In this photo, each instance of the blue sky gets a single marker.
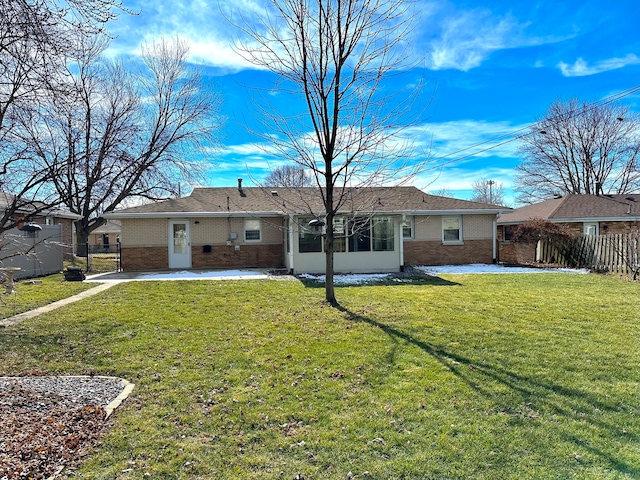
(489, 68)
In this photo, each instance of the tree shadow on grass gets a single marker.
(577, 405)
(393, 279)
(22, 341)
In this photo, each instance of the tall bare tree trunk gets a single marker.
(335, 55)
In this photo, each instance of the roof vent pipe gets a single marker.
(240, 185)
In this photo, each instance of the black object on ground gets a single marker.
(74, 274)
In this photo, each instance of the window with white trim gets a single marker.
(452, 229)
(339, 234)
(309, 238)
(383, 234)
(252, 230)
(591, 228)
(407, 227)
(359, 234)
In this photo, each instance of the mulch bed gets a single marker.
(43, 434)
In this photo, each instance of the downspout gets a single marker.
(290, 253)
(401, 242)
(495, 238)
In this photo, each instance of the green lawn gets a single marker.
(33, 293)
(469, 377)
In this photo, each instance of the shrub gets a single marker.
(537, 229)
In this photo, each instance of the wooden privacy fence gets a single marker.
(616, 253)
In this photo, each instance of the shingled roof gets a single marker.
(574, 207)
(276, 201)
(28, 207)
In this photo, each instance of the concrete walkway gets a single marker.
(108, 280)
(21, 317)
(194, 274)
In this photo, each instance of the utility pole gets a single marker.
(491, 183)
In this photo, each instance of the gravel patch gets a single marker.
(64, 391)
(49, 423)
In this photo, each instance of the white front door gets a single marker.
(179, 244)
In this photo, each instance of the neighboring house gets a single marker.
(104, 238)
(34, 252)
(582, 214)
(377, 230)
(36, 212)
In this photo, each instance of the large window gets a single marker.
(383, 234)
(339, 234)
(359, 234)
(452, 229)
(252, 230)
(309, 238)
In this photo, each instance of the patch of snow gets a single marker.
(492, 268)
(351, 279)
(478, 268)
(346, 279)
(200, 275)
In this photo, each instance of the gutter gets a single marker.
(632, 217)
(245, 213)
(191, 214)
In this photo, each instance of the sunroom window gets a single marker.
(383, 234)
(359, 234)
(339, 234)
(309, 238)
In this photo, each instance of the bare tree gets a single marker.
(293, 176)
(583, 149)
(122, 133)
(488, 191)
(35, 37)
(334, 56)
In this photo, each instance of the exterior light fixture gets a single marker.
(30, 227)
(316, 223)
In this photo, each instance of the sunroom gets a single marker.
(367, 243)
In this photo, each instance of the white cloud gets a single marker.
(461, 180)
(462, 39)
(201, 23)
(455, 153)
(468, 38)
(466, 140)
(581, 68)
(245, 149)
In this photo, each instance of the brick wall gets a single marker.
(577, 228)
(248, 256)
(508, 253)
(435, 253)
(144, 258)
(520, 253)
(619, 227)
(157, 258)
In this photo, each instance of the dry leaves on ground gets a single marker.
(39, 435)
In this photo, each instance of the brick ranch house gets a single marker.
(582, 214)
(377, 230)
